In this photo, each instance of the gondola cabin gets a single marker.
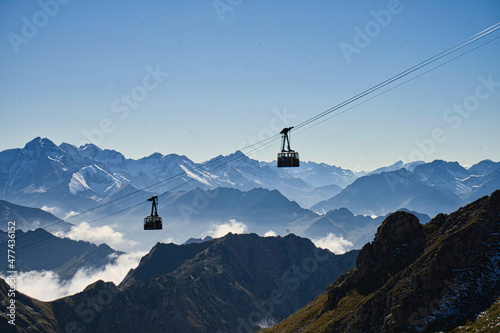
(153, 221)
(287, 157)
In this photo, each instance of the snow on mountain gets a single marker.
(380, 194)
(78, 178)
(434, 187)
(319, 174)
(396, 166)
(94, 179)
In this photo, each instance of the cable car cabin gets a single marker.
(153, 221)
(287, 157)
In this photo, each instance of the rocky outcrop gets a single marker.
(234, 283)
(415, 278)
(398, 242)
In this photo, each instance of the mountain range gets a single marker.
(27, 218)
(39, 250)
(430, 188)
(65, 179)
(103, 185)
(443, 276)
(234, 283)
(258, 210)
(439, 276)
(71, 179)
(357, 229)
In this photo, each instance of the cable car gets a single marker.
(287, 157)
(153, 221)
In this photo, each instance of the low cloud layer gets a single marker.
(47, 286)
(332, 242)
(270, 233)
(220, 230)
(98, 235)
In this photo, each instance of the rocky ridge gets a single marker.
(415, 278)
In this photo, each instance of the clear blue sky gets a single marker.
(231, 70)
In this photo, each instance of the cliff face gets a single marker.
(415, 278)
(235, 283)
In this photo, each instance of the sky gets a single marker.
(209, 77)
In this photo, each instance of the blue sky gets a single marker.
(203, 78)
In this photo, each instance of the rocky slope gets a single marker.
(416, 278)
(234, 283)
(430, 188)
(27, 218)
(39, 250)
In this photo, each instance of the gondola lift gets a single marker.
(287, 157)
(153, 221)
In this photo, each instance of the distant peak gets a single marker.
(89, 147)
(39, 143)
(157, 155)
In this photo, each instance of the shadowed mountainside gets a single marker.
(416, 278)
(237, 282)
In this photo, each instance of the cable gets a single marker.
(265, 142)
(396, 86)
(141, 203)
(404, 73)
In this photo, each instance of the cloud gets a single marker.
(270, 233)
(97, 235)
(47, 285)
(51, 210)
(337, 245)
(223, 229)
(70, 215)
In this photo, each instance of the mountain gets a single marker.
(398, 165)
(43, 174)
(380, 194)
(453, 179)
(358, 229)
(434, 187)
(241, 172)
(197, 240)
(445, 176)
(422, 218)
(320, 174)
(435, 277)
(40, 250)
(259, 207)
(484, 167)
(194, 213)
(70, 178)
(27, 218)
(230, 284)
